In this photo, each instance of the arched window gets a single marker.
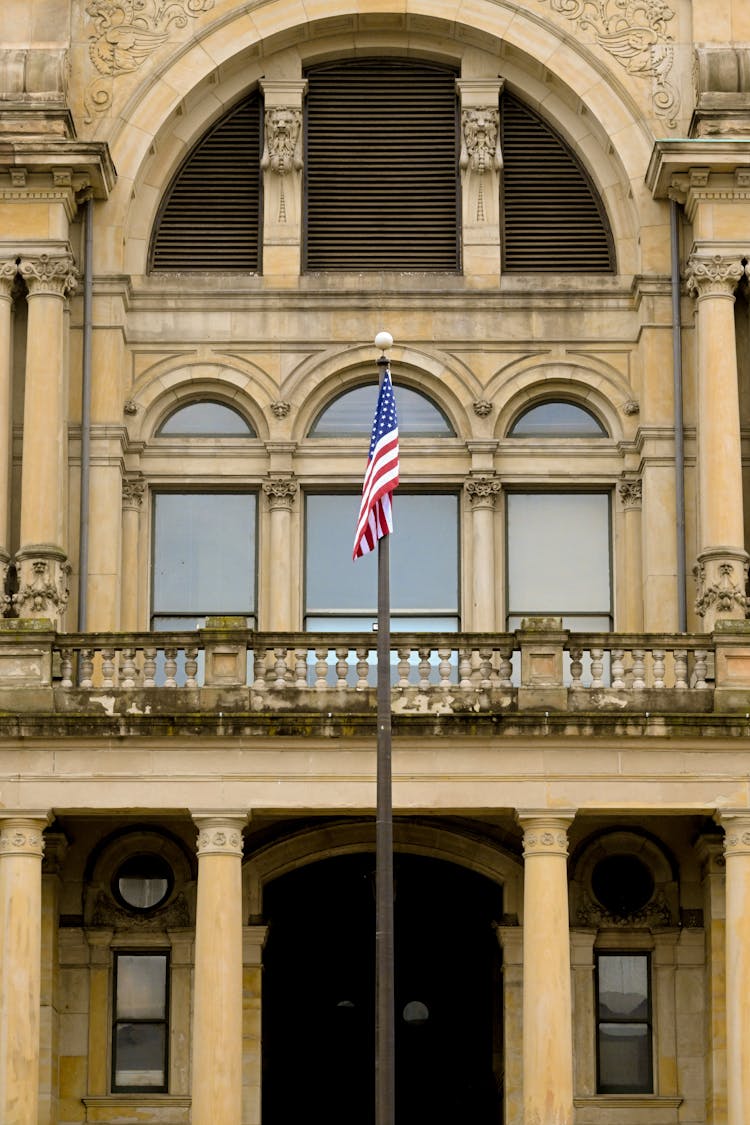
(351, 414)
(205, 419)
(557, 419)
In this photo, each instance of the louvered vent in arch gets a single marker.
(381, 166)
(552, 215)
(209, 219)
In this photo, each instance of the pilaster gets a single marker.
(511, 943)
(8, 273)
(736, 825)
(133, 492)
(281, 492)
(482, 490)
(253, 942)
(480, 163)
(710, 852)
(631, 498)
(282, 164)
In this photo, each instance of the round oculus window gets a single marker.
(143, 882)
(623, 884)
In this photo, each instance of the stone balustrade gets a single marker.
(544, 669)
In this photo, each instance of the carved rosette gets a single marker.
(22, 836)
(133, 491)
(545, 836)
(43, 575)
(721, 579)
(281, 492)
(483, 490)
(715, 276)
(631, 494)
(49, 274)
(737, 835)
(282, 149)
(219, 835)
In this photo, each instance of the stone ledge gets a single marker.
(135, 1109)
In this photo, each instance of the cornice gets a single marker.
(692, 164)
(36, 165)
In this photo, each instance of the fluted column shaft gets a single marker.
(21, 849)
(547, 1020)
(737, 854)
(482, 490)
(722, 560)
(217, 1001)
(281, 493)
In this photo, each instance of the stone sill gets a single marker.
(135, 1109)
(616, 1109)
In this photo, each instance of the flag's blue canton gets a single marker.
(375, 515)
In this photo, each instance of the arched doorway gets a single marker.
(318, 994)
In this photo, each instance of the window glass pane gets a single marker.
(623, 987)
(424, 561)
(558, 555)
(351, 414)
(210, 419)
(140, 1054)
(141, 986)
(624, 1058)
(557, 419)
(204, 553)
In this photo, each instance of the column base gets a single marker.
(43, 573)
(721, 578)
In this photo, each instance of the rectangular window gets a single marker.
(623, 1024)
(204, 557)
(139, 1034)
(341, 594)
(559, 564)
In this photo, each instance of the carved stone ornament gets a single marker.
(282, 150)
(483, 490)
(42, 587)
(635, 34)
(50, 274)
(480, 130)
(631, 493)
(124, 36)
(108, 914)
(482, 407)
(725, 595)
(714, 276)
(133, 491)
(281, 491)
(219, 840)
(545, 837)
(280, 409)
(8, 274)
(20, 837)
(655, 913)
(631, 407)
(130, 407)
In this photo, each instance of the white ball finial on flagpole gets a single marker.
(384, 341)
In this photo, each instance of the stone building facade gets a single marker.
(207, 210)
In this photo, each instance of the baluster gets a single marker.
(505, 671)
(464, 669)
(618, 669)
(363, 668)
(404, 652)
(485, 668)
(191, 666)
(576, 669)
(680, 669)
(127, 670)
(108, 667)
(259, 670)
(342, 667)
(444, 668)
(424, 668)
(701, 668)
(149, 667)
(279, 668)
(66, 668)
(321, 668)
(597, 668)
(170, 666)
(659, 658)
(300, 668)
(86, 667)
(639, 669)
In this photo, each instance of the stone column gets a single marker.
(737, 854)
(722, 563)
(217, 1002)
(254, 939)
(133, 490)
(41, 561)
(481, 163)
(631, 492)
(281, 165)
(482, 490)
(21, 850)
(281, 492)
(8, 271)
(547, 1019)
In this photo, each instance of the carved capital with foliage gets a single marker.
(50, 274)
(482, 490)
(281, 491)
(715, 276)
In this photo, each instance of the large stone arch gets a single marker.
(347, 837)
(167, 107)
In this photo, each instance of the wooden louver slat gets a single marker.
(210, 216)
(553, 219)
(381, 167)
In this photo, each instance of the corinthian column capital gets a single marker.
(713, 276)
(8, 272)
(281, 491)
(483, 490)
(50, 274)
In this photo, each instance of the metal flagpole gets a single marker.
(385, 1096)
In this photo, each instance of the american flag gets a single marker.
(381, 477)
